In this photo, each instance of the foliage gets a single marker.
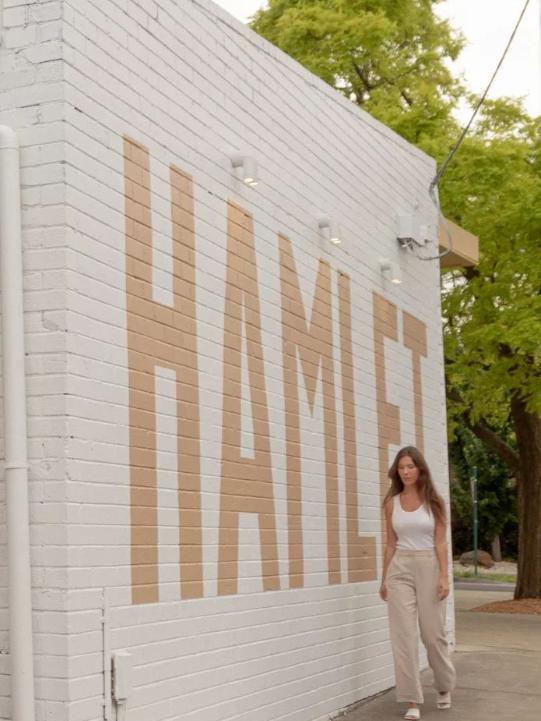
(493, 311)
(496, 492)
(388, 56)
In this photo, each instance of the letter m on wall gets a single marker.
(164, 336)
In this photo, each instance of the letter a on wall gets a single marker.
(246, 482)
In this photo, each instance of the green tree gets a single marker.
(388, 56)
(493, 311)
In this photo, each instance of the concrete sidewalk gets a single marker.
(498, 664)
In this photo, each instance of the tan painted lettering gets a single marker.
(246, 482)
(361, 549)
(315, 348)
(385, 326)
(164, 336)
(415, 340)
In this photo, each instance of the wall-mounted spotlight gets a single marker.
(329, 230)
(390, 270)
(246, 169)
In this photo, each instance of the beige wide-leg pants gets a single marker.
(412, 602)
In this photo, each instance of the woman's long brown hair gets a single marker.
(429, 495)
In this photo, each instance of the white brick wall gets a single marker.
(193, 85)
(31, 101)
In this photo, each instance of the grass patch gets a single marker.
(495, 577)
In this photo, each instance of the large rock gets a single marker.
(483, 559)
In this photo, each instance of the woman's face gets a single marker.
(408, 471)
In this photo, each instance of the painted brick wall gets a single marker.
(31, 101)
(113, 101)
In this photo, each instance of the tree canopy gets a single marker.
(493, 311)
(388, 56)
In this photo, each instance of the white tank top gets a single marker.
(415, 529)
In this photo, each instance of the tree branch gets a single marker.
(406, 97)
(372, 85)
(367, 85)
(489, 437)
(471, 272)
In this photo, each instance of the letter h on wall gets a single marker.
(161, 335)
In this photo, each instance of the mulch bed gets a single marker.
(522, 605)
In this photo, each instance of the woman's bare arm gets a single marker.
(440, 541)
(392, 538)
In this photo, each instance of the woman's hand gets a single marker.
(383, 591)
(443, 587)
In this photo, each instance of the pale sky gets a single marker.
(487, 25)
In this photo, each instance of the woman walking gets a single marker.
(415, 582)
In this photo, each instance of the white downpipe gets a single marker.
(16, 474)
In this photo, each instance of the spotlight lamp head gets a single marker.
(329, 230)
(390, 271)
(246, 169)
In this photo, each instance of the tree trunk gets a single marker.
(528, 433)
(496, 549)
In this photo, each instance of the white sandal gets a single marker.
(413, 714)
(444, 700)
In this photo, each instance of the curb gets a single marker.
(478, 584)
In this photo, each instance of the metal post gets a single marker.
(539, 83)
(475, 517)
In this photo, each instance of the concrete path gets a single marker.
(498, 663)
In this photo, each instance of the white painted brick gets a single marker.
(30, 91)
(16, 37)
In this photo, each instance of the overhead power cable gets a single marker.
(435, 181)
